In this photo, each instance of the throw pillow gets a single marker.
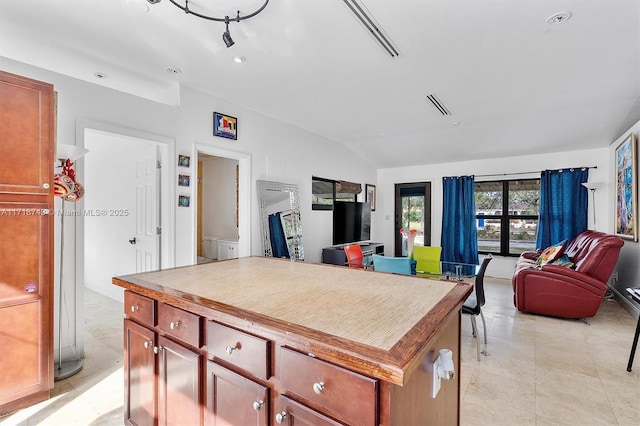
(565, 261)
(551, 253)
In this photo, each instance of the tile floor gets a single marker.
(539, 371)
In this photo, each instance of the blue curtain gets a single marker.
(279, 246)
(563, 205)
(459, 238)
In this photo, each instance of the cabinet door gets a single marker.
(139, 368)
(292, 413)
(234, 400)
(26, 132)
(178, 384)
(26, 340)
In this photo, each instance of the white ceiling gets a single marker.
(514, 84)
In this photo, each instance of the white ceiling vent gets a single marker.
(439, 105)
(364, 16)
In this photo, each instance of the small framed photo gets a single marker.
(370, 195)
(184, 200)
(225, 126)
(184, 160)
(184, 180)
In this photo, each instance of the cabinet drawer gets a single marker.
(139, 308)
(290, 412)
(343, 394)
(243, 350)
(180, 324)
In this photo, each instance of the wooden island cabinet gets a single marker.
(263, 341)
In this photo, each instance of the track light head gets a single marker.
(226, 37)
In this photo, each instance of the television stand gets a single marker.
(335, 255)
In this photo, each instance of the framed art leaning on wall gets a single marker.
(626, 196)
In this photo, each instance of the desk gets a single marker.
(448, 270)
(635, 295)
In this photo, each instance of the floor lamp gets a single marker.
(68, 189)
(592, 186)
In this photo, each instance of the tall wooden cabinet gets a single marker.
(26, 241)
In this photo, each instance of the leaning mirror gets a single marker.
(280, 220)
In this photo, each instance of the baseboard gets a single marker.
(626, 302)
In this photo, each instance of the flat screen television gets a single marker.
(351, 222)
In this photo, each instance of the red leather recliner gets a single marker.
(564, 292)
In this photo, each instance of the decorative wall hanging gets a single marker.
(184, 200)
(225, 126)
(184, 180)
(370, 195)
(184, 161)
(626, 198)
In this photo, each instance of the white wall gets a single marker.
(498, 167)
(219, 198)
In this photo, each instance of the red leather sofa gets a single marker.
(564, 292)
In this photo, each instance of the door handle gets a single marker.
(132, 241)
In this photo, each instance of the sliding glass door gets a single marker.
(412, 211)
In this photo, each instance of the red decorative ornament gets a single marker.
(65, 184)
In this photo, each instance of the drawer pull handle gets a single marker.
(157, 349)
(148, 344)
(280, 417)
(135, 308)
(318, 387)
(46, 186)
(174, 325)
(230, 349)
(257, 405)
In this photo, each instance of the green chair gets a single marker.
(428, 261)
(397, 265)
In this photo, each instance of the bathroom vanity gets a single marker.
(269, 341)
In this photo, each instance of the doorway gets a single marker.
(235, 172)
(217, 207)
(412, 211)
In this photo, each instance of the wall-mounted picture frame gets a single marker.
(370, 195)
(184, 200)
(626, 198)
(184, 160)
(225, 126)
(184, 180)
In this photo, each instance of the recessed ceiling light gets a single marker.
(239, 59)
(100, 75)
(455, 123)
(174, 70)
(558, 18)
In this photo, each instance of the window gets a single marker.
(510, 205)
(325, 191)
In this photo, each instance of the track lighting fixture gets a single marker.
(226, 36)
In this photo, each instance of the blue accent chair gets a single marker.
(397, 265)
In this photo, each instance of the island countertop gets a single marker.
(374, 322)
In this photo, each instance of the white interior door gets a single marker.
(147, 235)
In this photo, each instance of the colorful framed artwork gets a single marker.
(184, 160)
(626, 198)
(370, 195)
(184, 180)
(225, 126)
(184, 200)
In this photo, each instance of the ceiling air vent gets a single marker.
(365, 17)
(439, 106)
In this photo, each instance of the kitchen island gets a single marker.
(269, 341)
